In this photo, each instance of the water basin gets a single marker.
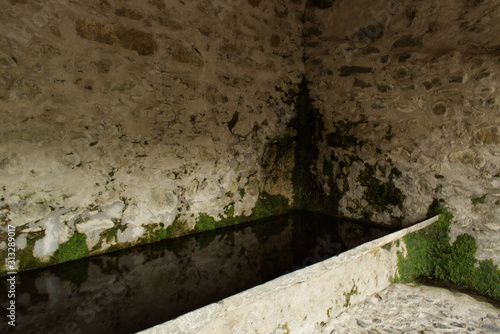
(133, 289)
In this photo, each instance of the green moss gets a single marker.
(111, 234)
(229, 210)
(266, 206)
(328, 312)
(150, 233)
(388, 246)
(378, 194)
(430, 254)
(479, 200)
(75, 248)
(348, 295)
(300, 197)
(204, 222)
(165, 233)
(269, 205)
(487, 279)
(242, 192)
(25, 256)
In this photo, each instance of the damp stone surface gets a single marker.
(129, 122)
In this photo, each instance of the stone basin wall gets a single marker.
(406, 98)
(125, 122)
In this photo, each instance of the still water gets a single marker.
(137, 288)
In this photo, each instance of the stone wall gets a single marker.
(406, 96)
(127, 122)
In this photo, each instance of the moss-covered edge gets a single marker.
(431, 254)
(75, 248)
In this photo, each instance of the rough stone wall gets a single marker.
(408, 96)
(125, 122)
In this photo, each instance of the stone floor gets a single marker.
(418, 309)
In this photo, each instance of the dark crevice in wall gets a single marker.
(308, 123)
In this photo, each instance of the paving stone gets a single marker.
(492, 328)
(407, 308)
(362, 323)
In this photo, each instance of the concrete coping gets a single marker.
(199, 321)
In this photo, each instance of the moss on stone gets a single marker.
(266, 206)
(388, 246)
(430, 254)
(164, 233)
(479, 200)
(75, 248)
(25, 255)
(269, 205)
(378, 194)
(348, 295)
(204, 222)
(229, 210)
(111, 233)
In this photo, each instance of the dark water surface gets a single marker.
(137, 288)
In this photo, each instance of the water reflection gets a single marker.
(130, 290)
